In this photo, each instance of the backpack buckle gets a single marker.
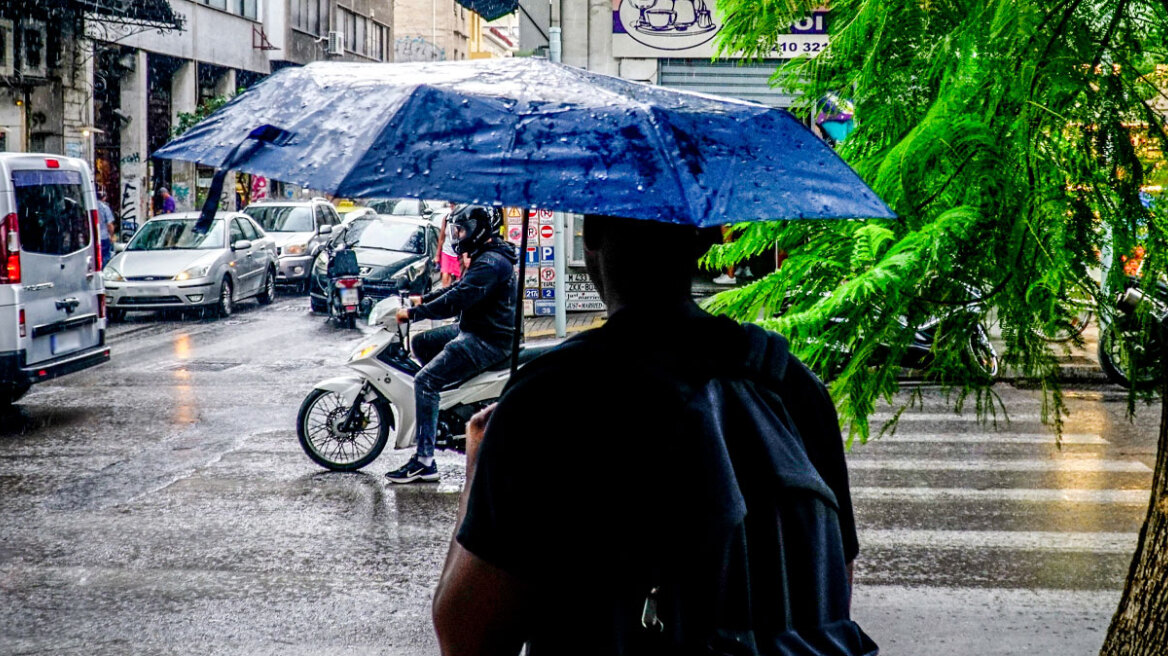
(649, 618)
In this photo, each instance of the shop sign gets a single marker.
(528, 308)
(687, 29)
(579, 286)
(582, 296)
(577, 277)
(584, 306)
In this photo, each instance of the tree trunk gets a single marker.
(1140, 625)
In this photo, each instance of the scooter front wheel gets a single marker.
(326, 439)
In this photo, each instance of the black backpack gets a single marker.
(775, 579)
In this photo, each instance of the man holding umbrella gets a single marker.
(484, 300)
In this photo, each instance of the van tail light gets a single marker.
(53, 163)
(9, 250)
(23, 326)
(96, 240)
(101, 306)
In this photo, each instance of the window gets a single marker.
(249, 230)
(246, 8)
(311, 16)
(236, 232)
(322, 218)
(50, 210)
(360, 46)
(218, 4)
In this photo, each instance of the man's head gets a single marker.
(164, 192)
(101, 195)
(634, 261)
(474, 226)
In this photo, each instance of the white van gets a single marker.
(52, 305)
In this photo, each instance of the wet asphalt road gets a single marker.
(161, 504)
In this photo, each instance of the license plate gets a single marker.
(349, 296)
(67, 341)
(147, 291)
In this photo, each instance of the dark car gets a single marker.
(389, 249)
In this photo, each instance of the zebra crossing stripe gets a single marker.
(1060, 465)
(1044, 495)
(1124, 543)
(989, 438)
(1001, 419)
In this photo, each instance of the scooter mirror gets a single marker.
(403, 285)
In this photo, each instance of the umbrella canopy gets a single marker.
(530, 133)
(490, 9)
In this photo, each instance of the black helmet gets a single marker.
(478, 224)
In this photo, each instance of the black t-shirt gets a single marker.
(584, 481)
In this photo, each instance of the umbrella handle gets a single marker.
(519, 295)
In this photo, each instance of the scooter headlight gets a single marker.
(363, 353)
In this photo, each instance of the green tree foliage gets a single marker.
(188, 120)
(1012, 137)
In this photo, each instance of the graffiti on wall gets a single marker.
(416, 49)
(182, 194)
(259, 187)
(129, 207)
(133, 158)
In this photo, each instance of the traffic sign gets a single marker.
(547, 255)
(532, 258)
(550, 292)
(547, 232)
(546, 275)
(532, 232)
(528, 307)
(531, 277)
(545, 216)
(514, 213)
(514, 234)
(531, 293)
(545, 308)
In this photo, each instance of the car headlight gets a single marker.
(295, 249)
(194, 272)
(110, 274)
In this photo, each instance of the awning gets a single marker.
(490, 9)
(144, 13)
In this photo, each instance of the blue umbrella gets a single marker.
(490, 9)
(529, 133)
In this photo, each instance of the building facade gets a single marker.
(431, 30)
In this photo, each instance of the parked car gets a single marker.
(52, 305)
(167, 265)
(299, 229)
(389, 249)
(430, 210)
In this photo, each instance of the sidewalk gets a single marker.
(536, 328)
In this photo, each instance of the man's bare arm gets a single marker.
(477, 606)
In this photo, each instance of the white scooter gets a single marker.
(344, 423)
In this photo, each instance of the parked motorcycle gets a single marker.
(344, 423)
(344, 287)
(1129, 353)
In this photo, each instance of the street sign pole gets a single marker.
(561, 291)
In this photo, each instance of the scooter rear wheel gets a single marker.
(319, 427)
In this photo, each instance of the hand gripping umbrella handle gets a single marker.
(264, 134)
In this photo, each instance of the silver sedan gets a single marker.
(167, 265)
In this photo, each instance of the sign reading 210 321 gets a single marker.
(686, 28)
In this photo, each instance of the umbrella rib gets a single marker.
(668, 148)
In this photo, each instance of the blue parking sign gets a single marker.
(547, 254)
(532, 256)
(549, 292)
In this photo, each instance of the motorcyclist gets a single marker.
(484, 301)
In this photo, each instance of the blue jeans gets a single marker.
(450, 356)
(107, 247)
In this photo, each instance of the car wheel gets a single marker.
(268, 293)
(11, 393)
(226, 301)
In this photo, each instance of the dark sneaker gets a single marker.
(413, 471)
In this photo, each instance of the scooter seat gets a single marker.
(527, 353)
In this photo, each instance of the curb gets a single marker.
(546, 334)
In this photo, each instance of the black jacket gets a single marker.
(484, 296)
